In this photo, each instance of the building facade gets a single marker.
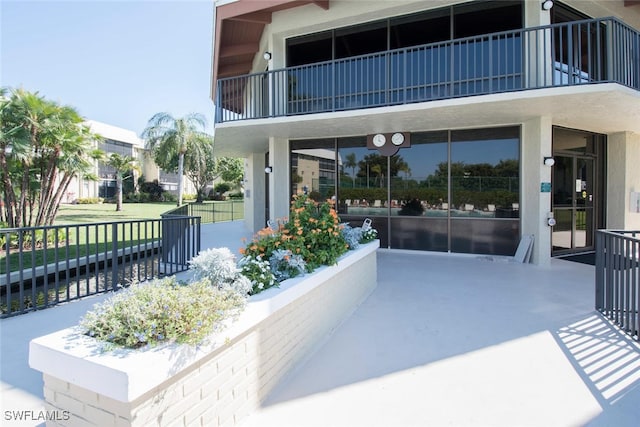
(126, 143)
(456, 126)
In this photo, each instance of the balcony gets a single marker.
(570, 54)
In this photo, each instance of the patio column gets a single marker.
(623, 179)
(536, 204)
(279, 188)
(254, 196)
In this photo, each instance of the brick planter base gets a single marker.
(219, 383)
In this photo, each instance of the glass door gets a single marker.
(573, 203)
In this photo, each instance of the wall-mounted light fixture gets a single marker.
(268, 169)
(267, 56)
(547, 5)
(549, 161)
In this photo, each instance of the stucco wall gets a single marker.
(623, 177)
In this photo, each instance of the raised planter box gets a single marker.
(218, 383)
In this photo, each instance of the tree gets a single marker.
(43, 146)
(350, 163)
(200, 164)
(122, 165)
(202, 167)
(169, 139)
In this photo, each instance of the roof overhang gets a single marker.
(238, 28)
(603, 108)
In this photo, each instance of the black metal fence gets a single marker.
(210, 212)
(44, 266)
(567, 54)
(618, 278)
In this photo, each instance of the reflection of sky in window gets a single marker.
(423, 159)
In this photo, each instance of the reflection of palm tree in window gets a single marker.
(350, 163)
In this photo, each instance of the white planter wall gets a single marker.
(219, 383)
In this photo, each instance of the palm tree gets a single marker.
(168, 139)
(122, 165)
(350, 162)
(43, 145)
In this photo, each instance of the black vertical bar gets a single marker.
(21, 269)
(599, 270)
(45, 265)
(56, 244)
(107, 262)
(67, 269)
(114, 256)
(33, 269)
(7, 272)
(96, 253)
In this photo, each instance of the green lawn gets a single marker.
(77, 214)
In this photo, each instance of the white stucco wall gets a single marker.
(623, 177)
(536, 205)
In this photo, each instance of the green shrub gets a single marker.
(89, 200)
(236, 196)
(221, 188)
(189, 197)
(160, 311)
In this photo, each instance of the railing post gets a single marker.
(600, 251)
(114, 256)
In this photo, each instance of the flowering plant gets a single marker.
(369, 235)
(312, 236)
(258, 271)
(286, 265)
(162, 310)
(218, 266)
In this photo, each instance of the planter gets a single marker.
(218, 383)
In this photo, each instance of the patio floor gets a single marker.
(445, 340)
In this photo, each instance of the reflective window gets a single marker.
(453, 191)
(313, 168)
(485, 173)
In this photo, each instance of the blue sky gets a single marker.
(117, 62)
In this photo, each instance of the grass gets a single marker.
(74, 243)
(80, 214)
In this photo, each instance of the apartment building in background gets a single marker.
(456, 126)
(126, 143)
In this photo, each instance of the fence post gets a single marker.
(600, 250)
(114, 256)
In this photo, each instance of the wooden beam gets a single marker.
(233, 70)
(628, 3)
(324, 4)
(262, 17)
(239, 49)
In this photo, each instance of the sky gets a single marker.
(117, 62)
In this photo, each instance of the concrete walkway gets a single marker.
(445, 340)
(464, 341)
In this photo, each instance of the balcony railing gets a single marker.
(575, 53)
(618, 278)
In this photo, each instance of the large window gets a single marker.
(431, 55)
(453, 191)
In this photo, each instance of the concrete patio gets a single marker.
(445, 340)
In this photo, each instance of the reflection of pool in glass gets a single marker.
(432, 213)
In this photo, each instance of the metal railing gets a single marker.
(44, 266)
(210, 212)
(618, 278)
(567, 54)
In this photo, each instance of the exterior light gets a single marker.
(267, 56)
(268, 169)
(547, 4)
(549, 161)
